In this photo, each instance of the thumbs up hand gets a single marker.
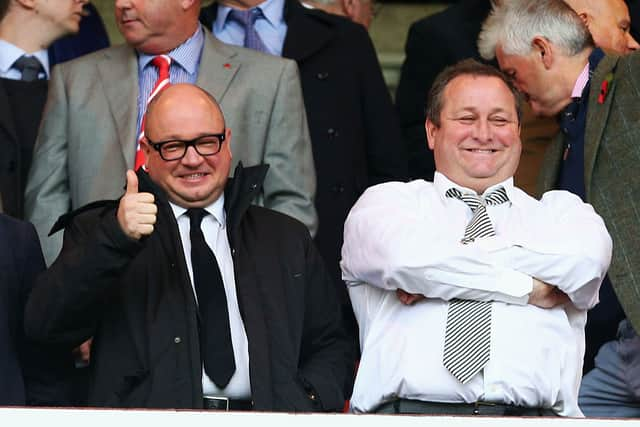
(136, 211)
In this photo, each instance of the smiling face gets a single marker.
(184, 112)
(477, 143)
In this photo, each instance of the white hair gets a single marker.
(515, 23)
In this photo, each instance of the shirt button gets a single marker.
(177, 340)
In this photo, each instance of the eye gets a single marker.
(466, 119)
(172, 147)
(499, 121)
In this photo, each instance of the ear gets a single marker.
(27, 4)
(350, 7)
(544, 50)
(432, 130)
(586, 18)
(145, 147)
(227, 141)
(187, 4)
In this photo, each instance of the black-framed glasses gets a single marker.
(175, 149)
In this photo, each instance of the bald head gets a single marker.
(180, 99)
(608, 22)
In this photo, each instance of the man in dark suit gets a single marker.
(354, 130)
(26, 30)
(595, 156)
(31, 375)
(195, 298)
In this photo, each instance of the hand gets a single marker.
(82, 353)
(136, 211)
(544, 295)
(408, 299)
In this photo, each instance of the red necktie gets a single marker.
(162, 63)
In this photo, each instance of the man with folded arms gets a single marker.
(471, 296)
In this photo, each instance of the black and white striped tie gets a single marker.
(467, 342)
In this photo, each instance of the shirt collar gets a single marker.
(581, 82)
(585, 75)
(216, 209)
(442, 184)
(9, 53)
(273, 11)
(183, 54)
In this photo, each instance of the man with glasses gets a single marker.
(194, 297)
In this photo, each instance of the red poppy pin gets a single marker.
(227, 65)
(604, 88)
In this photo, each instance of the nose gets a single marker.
(482, 130)
(632, 44)
(191, 157)
(122, 4)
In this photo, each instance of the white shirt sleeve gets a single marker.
(563, 243)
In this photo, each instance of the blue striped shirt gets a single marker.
(185, 62)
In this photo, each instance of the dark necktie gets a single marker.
(467, 342)
(29, 66)
(215, 334)
(247, 19)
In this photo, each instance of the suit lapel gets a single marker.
(218, 65)
(6, 116)
(597, 116)
(118, 71)
(305, 35)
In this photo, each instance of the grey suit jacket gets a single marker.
(87, 138)
(612, 182)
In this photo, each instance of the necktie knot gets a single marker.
(29, 67)
(195, 217)
(246, 17)
(162, 63)
(474, 201)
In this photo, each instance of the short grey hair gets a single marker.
(515, 23)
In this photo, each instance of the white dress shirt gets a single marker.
(408, 236)
(10, 53)
(214, 228)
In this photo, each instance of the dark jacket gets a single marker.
(136, 300)
(29, 374)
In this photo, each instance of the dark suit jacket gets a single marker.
(612, 182)
(28, 374)
(354, 129)
(433, 43)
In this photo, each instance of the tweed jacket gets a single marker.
(612, 183)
